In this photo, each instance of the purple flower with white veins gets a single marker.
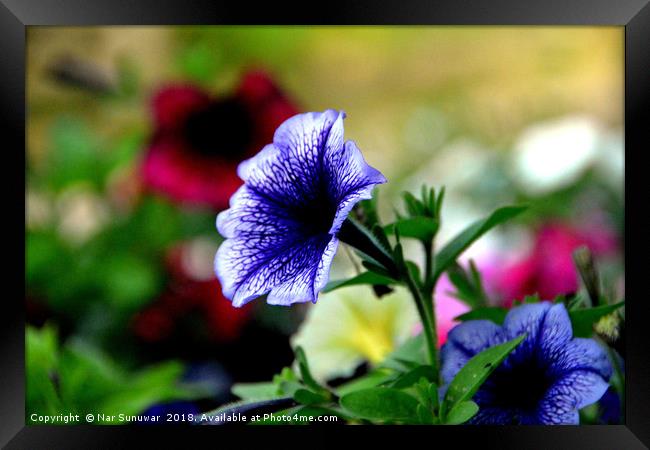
(282, 226)
(545, 380)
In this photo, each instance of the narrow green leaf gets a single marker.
(465, 288)
(494, 313)
(418, 227)
(307, 378)
(255, 391)
(307, 397)
(583, 320)
(381, 403)
(375, 378)
(434, 395)
(413, 205)
(425, 416)
(413, 376)
(474, 373)
(398, 255)
(440, 198)
(414, 271)
(379, 232)
(450, 252)
(461, 413)
(363, 278)
(376, 268)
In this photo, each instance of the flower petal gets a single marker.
(453, 359)
(527, 318)
(271, 264)
(556, 331)
(466, 340)
(305, 135)
(582, 354)
(570, 393)
(351, 178)
(475, 336)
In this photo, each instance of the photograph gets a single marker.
(325, 225)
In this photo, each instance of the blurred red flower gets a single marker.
(199, 140)
(187, 295)
(548, 269)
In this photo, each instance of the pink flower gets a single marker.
(447, 308)
(199, 140)
(549, 270)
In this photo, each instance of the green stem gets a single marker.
(427, 317)
(428, 264)
(428, 297)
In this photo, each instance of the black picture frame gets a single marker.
(633, 15)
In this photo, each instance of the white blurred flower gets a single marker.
(553, 154)
(611, 159)
(350, 326)
(197, 258)
(38, 209)
(82, 213)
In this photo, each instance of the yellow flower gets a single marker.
(350, 326)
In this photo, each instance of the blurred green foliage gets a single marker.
(78, 378)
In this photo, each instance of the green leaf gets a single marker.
(307, 397)
(307, 377)
(41, 361)
(461, 413)
(414, 271)
(379, 232)
(425, 416)
(474, 373)
(438, 202)
(363, 278)
(419, 227)
(255, 391)
(376, 268)
(381, 403)
(413, 206)
(413, 350)
(583, 320)
(450, 252)
(375, 378)
(414, 376)
(494, 313)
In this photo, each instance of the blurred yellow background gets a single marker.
(488, 82)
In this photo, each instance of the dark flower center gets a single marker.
(224, 128)
(521, 387)
(317, 215)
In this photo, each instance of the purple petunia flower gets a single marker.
(282, 225)
(545, 380)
